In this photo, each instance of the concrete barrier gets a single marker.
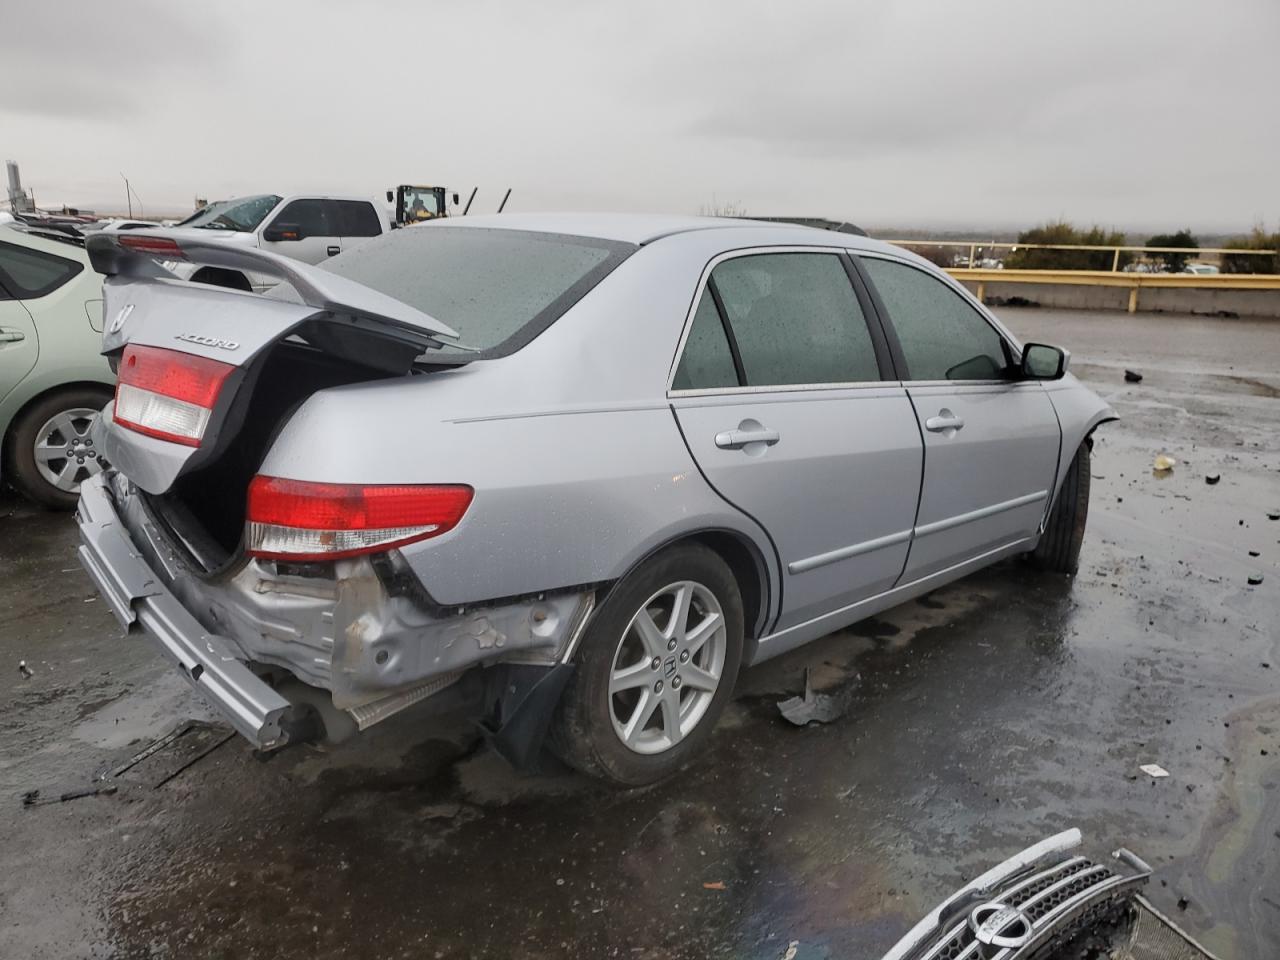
(1244, 303)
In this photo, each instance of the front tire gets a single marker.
(654, 671)
(50, 451)
(1059, 548)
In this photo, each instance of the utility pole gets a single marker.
(128, 195)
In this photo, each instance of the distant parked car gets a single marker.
(53, 378)
(577, 468)
(120, 224)
(308, 228)
(1205, 269)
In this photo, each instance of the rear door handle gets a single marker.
(11, 336)
(333, 251)
(737, 439)
(945, 421)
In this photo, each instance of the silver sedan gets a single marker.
(573, 471)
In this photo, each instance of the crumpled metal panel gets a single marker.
(346, 634)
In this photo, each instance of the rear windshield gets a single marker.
(497, 288)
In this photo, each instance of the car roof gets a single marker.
(286, 197)
(68, 247)
(643, 228)
(324, 196)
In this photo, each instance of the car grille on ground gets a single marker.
(1053, 902)
(1045, 905)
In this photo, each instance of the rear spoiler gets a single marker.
(135, 256)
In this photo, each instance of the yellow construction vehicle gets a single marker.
(417, 204)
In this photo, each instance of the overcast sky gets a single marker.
(931, 114)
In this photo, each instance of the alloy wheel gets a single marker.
(64, 452)
(667, 667)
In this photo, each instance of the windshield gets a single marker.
(498, 288)
(243, 214)
(420, 203)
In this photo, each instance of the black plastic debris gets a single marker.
(35, 798)
(1212, 478)
(172, 754)
(814, 707)
(153, 766)
(1132, 376)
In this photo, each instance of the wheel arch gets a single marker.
(7, 430)
(1080, 412)
(749, 568)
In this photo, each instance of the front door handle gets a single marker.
(333, 251)
(11, 336)
(945, 422)
(737, 439)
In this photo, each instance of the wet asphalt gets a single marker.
(986, 716)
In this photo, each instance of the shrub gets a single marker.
(1259, 239)
(1173, 262)
(1066, 234)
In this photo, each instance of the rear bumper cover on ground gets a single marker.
(141, 601)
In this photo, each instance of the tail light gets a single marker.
(153, 245)
(168, 394)
(297, 520)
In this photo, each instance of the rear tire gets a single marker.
(1059, 547)
(56, 424)
(642, 702)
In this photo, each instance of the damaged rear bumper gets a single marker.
(270, 648)
(141, 602)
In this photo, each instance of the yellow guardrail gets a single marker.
(1115, 277)
(1105, 278)
(975, 247)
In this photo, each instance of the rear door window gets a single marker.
(942, 336)
(356, 218)
(795, 320)
(27, 274)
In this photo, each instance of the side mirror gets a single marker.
(456, 198)
(391, 196)
(1040, 361)
(278, 232)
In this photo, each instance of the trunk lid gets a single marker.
(145, 306)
